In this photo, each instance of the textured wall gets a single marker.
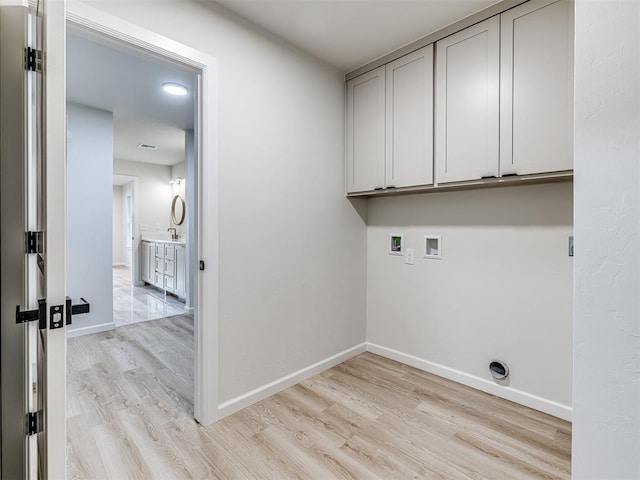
(606, 428)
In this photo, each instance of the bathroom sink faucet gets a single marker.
(174, 235)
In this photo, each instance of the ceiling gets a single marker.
(350, 33)
(129, 132)
(130, 86)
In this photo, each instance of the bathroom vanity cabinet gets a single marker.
(163, 265)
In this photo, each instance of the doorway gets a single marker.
(123, 231)
(202, 205)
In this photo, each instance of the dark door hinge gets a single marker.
(34, 242)
(33, 59)
(202, 265)
(33, 423)
(40, 314)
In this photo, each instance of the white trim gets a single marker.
(121, 264)
(93, 23)
(53, 34)
(517, 396)
(78, 332)
(260, 393)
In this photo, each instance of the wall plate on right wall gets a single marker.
(433, 247)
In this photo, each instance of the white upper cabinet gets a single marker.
(467, 103)
(409, 120)
(365, 131)
(536, 101)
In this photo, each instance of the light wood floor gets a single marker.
(130, 416)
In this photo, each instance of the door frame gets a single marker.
(136, 279)
(92, 22)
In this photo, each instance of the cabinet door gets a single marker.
(144, 262)
(365, 131)
(181, 273)
(169, 268)
(169, 252)
(409, 120)
(152, 262)
(467, 103)
(159, 250)
(536, 99)
(158, 279)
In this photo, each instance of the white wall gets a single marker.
(503, 289)
(154, 194)
(90, 216)
(606, 425)
(180, 170)
(292, 256)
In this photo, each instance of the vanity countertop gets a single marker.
(163, 240)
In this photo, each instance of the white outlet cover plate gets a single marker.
(409, 256)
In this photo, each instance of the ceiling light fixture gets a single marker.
(175, 89)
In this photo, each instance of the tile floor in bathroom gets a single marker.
(138, 304)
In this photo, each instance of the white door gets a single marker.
(33, 284)
(409, 120)
(536, 82)
(365, 131)
(467, 103)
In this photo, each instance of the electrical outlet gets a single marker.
(143, 227)
(409, 256)
(158, 227)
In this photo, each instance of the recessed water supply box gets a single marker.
(433, 247)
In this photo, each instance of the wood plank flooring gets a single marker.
(130, 407)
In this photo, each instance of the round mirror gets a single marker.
(177, 210)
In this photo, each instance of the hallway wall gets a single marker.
(90, 216)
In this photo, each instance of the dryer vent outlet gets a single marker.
(499, 370)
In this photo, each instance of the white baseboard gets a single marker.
(260, 393)
(517, 396)
(78, 332)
